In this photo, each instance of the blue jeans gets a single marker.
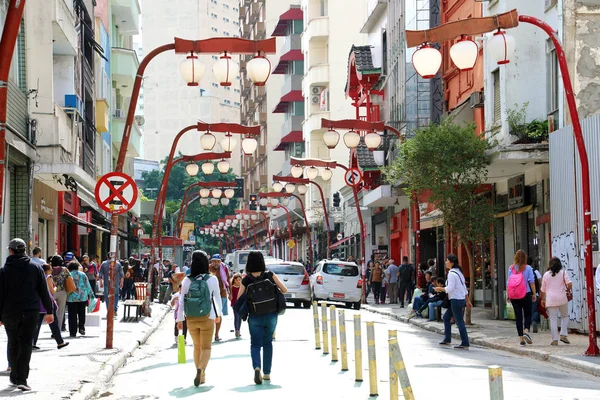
(116, 297)
(262, 328)
(456, 310)
(432, 306)
(224, 305)
(417, 304)
(237, 321)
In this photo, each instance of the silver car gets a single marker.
(295, 278)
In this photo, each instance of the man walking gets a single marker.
(392, 271)
(220, 270)
(23, 286)
(105, 278)
(407, 277)
(37, 254)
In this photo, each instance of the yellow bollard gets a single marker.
(357, 349)
(333, 322)
(401, 370)
(372, 359)
(393, 334)
(343, 345)
(316, 322)
(496, 390)
(324, 328)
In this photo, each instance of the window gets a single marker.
(226, 33)
(215, 57)
(215, 84)
(227, 101)
(225, 19)
(236, 90)
(497, 106)
(213, 1)
(225, 6)
(235, 9)
(236, 36)
(213, 29)
(236, 23)
(552, 82)
(213, 16)
(227, 88)
(237, 104)
(340, 269)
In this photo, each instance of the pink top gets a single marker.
(555, 288)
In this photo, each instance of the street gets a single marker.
(434, 372)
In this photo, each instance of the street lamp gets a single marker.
(277, 187)
(372, 140)
(501, 47)
(204, 201)
(214, 202)
(427, 61)
(326, 174)
(223, 166)
(331, 138)
(225, 201)
(228, 143)
(351, 139)
(192, 70)
(217, 193)
(207, 141)
(274, 202)
(464, 53)
(259, 70)
(312, 172)
(302, 189)
(226, 70)
(208, 168)
(229, 193)
(204, 192)
(264, 201)
(249, 145)
(297, 171)
(290, 187)
(192, 169)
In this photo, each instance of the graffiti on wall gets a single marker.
(564, 247)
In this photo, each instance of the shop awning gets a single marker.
(339, 242)
(293, 14)
(294, 95)
(519, 210)
(284, 61)
(72, 219)
(292, 137)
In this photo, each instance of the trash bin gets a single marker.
(163, 291)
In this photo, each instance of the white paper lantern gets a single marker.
(331, 138)
(464, 54)
(372, 140)
(223, 166)
(427, 61)
(277, 187)
(351, 139)
(192, 169)
(501, 47)
(274, 201)
(229, 193)
(326, 174)
(297, 171)
(192, 70)
(254, 217)
(217, 193)
(204, 202)
(259, 70)
(302, 189)
(214, 202)
(275, 212)
(249, 145)
(208, 168)
(312, 172)
(207, 141)
(263, 201)
(290, 187)
(226, 70)
(228, 143)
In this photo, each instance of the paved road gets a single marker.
(153, 372)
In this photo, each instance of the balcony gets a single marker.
(318, 75)
(375, 10)
(291, 83)
(293, 123)
(313, 122)
(261, 151)
(264, 180)
(124, 65)
(88, 75)
(293, 42)
(126, 14)
(64, 37)
(102, 115)
(317, 29)
(255, 8)
(135, 139)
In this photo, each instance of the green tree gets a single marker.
(178, 182)
(450, 161)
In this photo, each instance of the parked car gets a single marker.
(240, 257)
(295, 278)
(339, 281)
(229, 260)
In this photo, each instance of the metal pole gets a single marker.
(326, 218)
(343, 344)
(110, 319)
(316, 323)
(324, 327)
(372, 359)
(332, 320)
(585, 178)
(357, 349)
(363, 235)
(393, 334)
(310, 252)
(400, 369)
(495, 377)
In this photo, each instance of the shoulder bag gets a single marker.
(70, 284)
(568, 291)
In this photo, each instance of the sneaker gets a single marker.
(267, 377)
(527, 338)
(564, 339)
(82, 332)
(554, 343)
(11, 383)
(257, 376)
(522, 343)
(411, 315)
(63, 344)
(442, 343)
(461, 347)
(35, 347)
(24, 387)
(419, 315)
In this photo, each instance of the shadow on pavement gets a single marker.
(255, 388)
(189, 391)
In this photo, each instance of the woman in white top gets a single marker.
(201, 329)
(458, 295)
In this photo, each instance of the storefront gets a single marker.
(44, 219)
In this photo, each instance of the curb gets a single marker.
(110, 367)
(583, 366)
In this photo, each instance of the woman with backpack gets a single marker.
(520, 291)
(200, 306)
(458, 297)
(556, 285)
(261, 288)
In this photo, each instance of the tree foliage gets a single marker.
(449, 162)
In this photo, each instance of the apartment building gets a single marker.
(170, 105)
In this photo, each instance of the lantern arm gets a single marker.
(274, 194)
(352, 124)
(312, 162)
(216, 184)
(291, 179)
(229, 45)
(202, 157)
(469, 27)
(229, 128)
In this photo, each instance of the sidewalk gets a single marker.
(77, 371)
(502, 335)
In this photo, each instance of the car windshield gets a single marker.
(286, 269)
(243, 258)
(340, 269)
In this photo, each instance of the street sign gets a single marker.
(353, 177)
(340, 236)
(291, 244)
(116, 192)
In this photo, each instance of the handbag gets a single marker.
(70, 285)
(93, 305)
(181, 359)
(281, 302)
(569, 292)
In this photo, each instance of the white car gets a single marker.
(336, 280)
(294, 276)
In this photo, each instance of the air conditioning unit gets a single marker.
(315, 99)
(477, 100)
(316, 90)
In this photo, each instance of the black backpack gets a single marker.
(262, 296)
(406, 272)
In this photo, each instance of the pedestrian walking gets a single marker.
(175, 305)
(105, 278)
(78, 300)
(368, 273)
(392, 272)
(90, 269)
(23, 288)
(60, 276)
(384, 283)
(535, 313)
(556, 285)
(236, 282)
(520, 291)
(406, 279)
(376, 281)
(220, 270)
(171, 287)
(261, 287)
(457, 294)
(54, 327)
(200, 303)
(36, 254)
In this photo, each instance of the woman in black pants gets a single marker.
(78, 300)
(522, 306)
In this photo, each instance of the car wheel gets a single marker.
(296, 305)
(307, 304)
(357, 305)
(349, 305)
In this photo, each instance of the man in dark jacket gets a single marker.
(22, 288)
(406, 278)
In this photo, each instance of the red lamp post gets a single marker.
(303, 181)
(500, 48)
(251, 213)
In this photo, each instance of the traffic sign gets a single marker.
(353, 177)
(340, 236)
(116, 192)
(291, 244)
